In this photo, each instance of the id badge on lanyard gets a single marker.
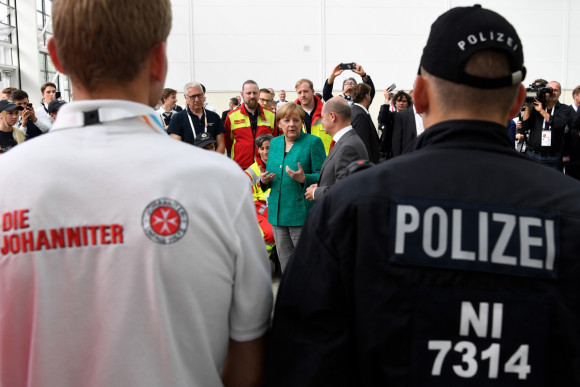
(546, 133)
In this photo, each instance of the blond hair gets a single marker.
(103, 42)
(287, 109)
(18, 135)
(304, 80)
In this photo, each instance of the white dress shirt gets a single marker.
(418, 122)
(337, 136)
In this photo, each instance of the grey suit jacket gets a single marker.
(348, 149)
(404, 130)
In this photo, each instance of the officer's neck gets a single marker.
(435, 116)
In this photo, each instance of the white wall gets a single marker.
(28, 47)
(221, 43)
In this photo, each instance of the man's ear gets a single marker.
(53, 55)
(158, 63)
(333, 116)
(420, 95)
(518, 103)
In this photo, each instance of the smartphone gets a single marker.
(57, 95)
(392, 87)
(347, 66)
(29, 104)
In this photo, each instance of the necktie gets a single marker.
(331, 145)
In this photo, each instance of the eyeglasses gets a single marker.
(264, 100)
(194, 96)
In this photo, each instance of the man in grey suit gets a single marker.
(346, 147)
(362, 122)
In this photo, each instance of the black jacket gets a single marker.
(404, 130)
(386, 120)
(557, 124)
(365, 128)
(435, 264)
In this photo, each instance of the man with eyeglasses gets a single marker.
(348, 83)
(247, 122)
(196, 119)
(265, 98)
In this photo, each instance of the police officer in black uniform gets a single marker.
(454, 264)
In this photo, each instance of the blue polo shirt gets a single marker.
(181, 126)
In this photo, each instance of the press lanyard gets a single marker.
(552, 114)
(191, 122)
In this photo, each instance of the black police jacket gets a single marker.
(455, 264)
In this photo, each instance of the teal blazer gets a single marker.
(287, 205)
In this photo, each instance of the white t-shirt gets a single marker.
(127, 258)
(43, 119)
(161, 111)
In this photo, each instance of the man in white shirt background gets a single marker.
(48, 94)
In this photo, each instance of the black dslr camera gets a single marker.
(537, 91)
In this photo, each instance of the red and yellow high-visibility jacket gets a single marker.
(240, 138)
(316, 127)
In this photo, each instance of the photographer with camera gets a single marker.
(546, 119)
(348, 83)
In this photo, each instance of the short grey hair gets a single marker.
(190, 85)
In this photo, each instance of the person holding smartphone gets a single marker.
(27, 120)
(348, 83)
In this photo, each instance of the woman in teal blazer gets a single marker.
(294, 164)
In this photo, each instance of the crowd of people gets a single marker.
(426, 252)
(399, 127)
(20, 121)
(251, 115)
